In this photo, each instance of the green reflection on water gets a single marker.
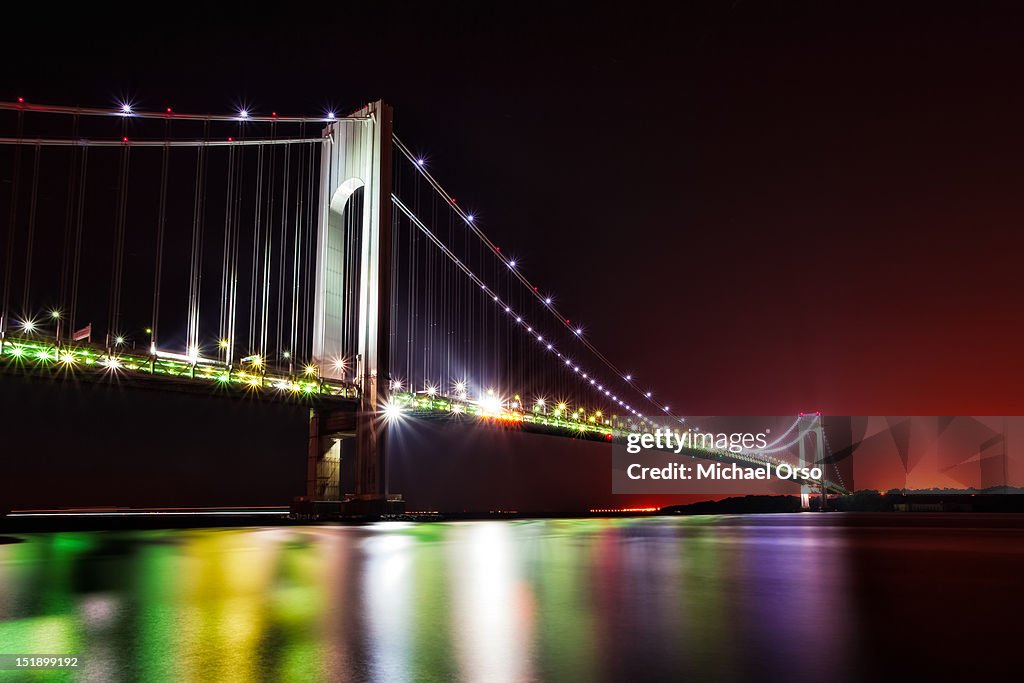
(494, 601)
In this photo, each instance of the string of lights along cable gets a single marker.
(512, 293)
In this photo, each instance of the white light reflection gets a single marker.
(492, 605)
(387, 581)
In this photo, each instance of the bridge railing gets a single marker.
(79, 359)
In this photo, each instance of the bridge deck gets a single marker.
(90, 361)
(422, 406)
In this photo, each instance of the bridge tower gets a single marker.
(355, 176)
(810, 429)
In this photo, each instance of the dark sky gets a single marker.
(757, 207)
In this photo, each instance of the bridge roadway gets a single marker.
(442, 408)
(166, 371)
(179, 373)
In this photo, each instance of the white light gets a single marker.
(119, 340)
(540, 338)
(495, 298)
(28, 325)
(518, 319)
(550, 347)
(431, 391)
(568, 362)
(648, 394)
(529, 329)
(548, 301)
(420, 162)
(490, 404)
(629, 377)
(512, 263)
(665, 409)
(392, 411)
(330, 115)
(579, 331)
(126, 108)
(243, 113)
(469, 217)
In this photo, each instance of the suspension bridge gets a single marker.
(292, 258)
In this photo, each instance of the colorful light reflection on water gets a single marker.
(478, 601)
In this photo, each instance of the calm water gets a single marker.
(791, 597)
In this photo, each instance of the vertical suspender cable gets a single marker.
(196, 265)
(31, 235)
(77, 251)
(117, 265)
(283, 244)
(12, 223)
(161, 224)
(69, 219)
(224, 332)
(308, 217)
(236, 230)
(268, 243)
(297, 253)
(254, 263)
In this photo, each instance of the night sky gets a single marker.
(756, 208)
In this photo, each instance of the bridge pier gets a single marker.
(323, 456)
(331, 495)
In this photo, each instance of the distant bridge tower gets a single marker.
(810, 429)
(356, 175)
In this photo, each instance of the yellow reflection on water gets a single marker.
(475, 601)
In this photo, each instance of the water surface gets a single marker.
(787, 597)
